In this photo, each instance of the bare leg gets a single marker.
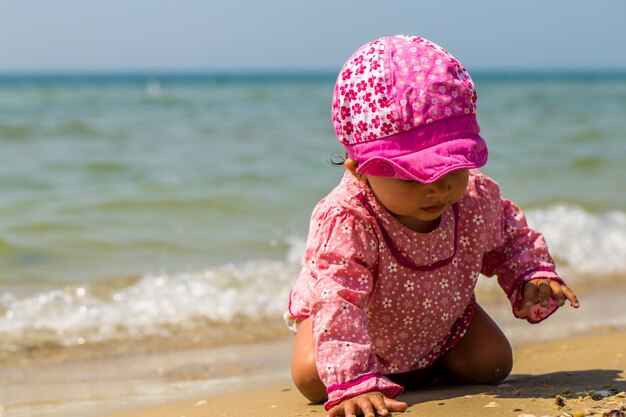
(307, 380)
(303, 368)
(483, 356)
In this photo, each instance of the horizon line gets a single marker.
(285, 71)
(281, 76)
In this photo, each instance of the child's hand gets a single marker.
(540, 290)
(365, 404)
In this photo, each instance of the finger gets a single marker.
(349, 408)
(341, 410)
(570, 296)
(365, 404)
(544, 293)
(393, 405)
(557, 292)
(379, 403)
(528, 300)
(335, 411)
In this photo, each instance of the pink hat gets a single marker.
(404, 107)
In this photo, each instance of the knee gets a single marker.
(483, 356)
(500, 373)
(493, 365)
(499, 368)
(488, 365)
(502, 361)
(306, 378)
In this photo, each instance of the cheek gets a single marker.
(406, 202)
(460, 188)
(397, 201)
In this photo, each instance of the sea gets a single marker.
(171, 209)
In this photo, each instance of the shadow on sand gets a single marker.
(569, 384)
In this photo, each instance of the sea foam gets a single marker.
(586, 242)
(162, 304)
(158, 304)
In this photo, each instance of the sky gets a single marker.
(210, 35)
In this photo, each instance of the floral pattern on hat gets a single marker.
(396, 84)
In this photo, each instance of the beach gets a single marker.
(588, 372)
(573, 352)
(580, 376)
(152, 225)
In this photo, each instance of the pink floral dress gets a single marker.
(385, 299)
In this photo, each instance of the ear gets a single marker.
(351, 165)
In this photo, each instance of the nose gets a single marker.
(440, 188)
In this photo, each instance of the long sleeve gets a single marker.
(341, 257)
(518, 253)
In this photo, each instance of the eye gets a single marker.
(410, 182)
(457, 172)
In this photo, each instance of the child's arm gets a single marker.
(340, 258)
(519, 257)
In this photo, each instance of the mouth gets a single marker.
(434, 209)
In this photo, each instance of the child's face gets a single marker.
(418, 205)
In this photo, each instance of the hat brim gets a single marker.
(430, 164)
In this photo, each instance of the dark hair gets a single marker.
(337, 159)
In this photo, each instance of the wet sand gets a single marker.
(582, 376)
(574, 351)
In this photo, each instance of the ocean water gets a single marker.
(147, 206)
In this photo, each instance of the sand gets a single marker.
(580, 370)
(573, 351)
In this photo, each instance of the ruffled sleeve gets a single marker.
(516, 253)
(342, 256)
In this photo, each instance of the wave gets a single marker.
(153, 305)
(582, 241)
(164, 305)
